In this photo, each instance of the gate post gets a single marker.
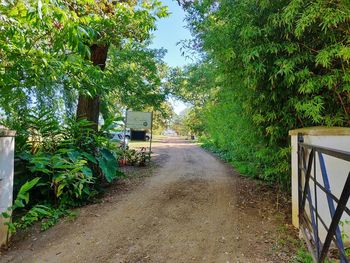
(294, 178)
(7, 145)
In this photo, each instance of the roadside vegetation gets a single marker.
(68, 69)
(265, 67)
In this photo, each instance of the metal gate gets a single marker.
(309, 185)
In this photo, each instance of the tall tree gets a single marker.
(126, 21)
(89, 107)
(49, 46)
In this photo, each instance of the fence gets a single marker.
(321, 181)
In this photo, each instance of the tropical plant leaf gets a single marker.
(108, 164)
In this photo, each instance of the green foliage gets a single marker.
(135, 75)
(21, 201)
(45, 65)
(108, 164)
(133, 157)
(67, 162)
(48, 216)
(343, 224)
(22, 198)
(45, 51)
(303, 257)
(266, 67)
(188, 122)
(64, 157)
(162, 115)
(64, 177)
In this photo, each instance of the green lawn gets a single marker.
(139, 144)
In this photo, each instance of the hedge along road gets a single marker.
(193, 209)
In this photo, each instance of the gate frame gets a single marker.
(305, 163)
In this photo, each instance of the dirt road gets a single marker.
(193, 209)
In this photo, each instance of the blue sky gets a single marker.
(170, 31)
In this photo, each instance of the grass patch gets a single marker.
(303, 256)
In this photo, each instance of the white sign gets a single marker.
(138, 120)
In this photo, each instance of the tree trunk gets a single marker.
(89, 107)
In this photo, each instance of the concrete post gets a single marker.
(7, 145)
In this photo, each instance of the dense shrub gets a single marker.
(66, 162)
(269, 66)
